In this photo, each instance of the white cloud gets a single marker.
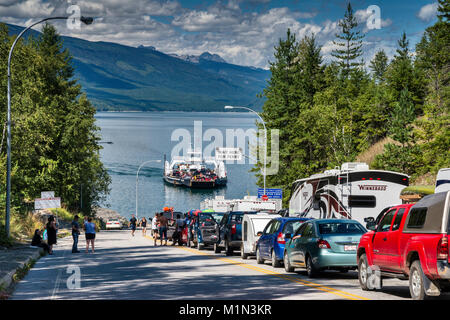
(26, 9)
(244, 37)
(428, 12)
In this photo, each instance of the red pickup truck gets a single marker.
(409, 242)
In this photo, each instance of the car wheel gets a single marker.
(228, 249)
(259, 259)
(244, 255)
(363, 275)
(310, 268)
(216, 248)
(416, 282)
(275, 262)
(287, 263)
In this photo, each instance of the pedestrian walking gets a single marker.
(51, 233)
(89, 228)
(75, 234)
(144, 226)
(155, 228)
(163, 223)
(132, 224)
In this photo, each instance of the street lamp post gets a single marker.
(137, 178)
(86, 20)
(265, 139)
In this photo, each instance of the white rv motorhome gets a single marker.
(350, 192)
(443, 180)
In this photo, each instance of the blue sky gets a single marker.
(241, 31)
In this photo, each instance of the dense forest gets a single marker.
(331, 113)
(54, 136)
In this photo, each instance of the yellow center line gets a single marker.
(317, 286)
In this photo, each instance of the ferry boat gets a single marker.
(194, 171)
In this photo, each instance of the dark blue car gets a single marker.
(270, 245)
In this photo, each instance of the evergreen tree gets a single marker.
(350, 44)
(401, 155)
(54, 137)
(434, 61)
(379, 66)
(444, 10)
(402, 74)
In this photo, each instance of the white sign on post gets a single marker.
(224, 154)
(47, 194)
(47, 203)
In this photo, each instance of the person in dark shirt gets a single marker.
(51, 233)
(132, 224)
(37, 241)
(75, 234)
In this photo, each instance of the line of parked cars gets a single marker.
(408, 241)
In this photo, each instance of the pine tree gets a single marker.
(434, 61)
(350, 44)
(444, 10)
(402, 74)
(379, 66)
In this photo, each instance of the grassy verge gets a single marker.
(422, 190)
(22, 272)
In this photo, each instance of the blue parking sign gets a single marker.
(271, 193)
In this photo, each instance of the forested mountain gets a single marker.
(118, 77)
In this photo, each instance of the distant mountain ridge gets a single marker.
(116, 77)
(196, 59)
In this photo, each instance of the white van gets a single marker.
(252, 224)
(443, 180)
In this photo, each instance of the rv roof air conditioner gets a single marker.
(354, 166)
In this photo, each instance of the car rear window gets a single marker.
(292, 226)
(207, 220)
(236, 218)
(340, 228)
(417, 218)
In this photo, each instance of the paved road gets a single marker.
(126, 267)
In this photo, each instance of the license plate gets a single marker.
(350, 248)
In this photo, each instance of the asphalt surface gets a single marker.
(127, 268)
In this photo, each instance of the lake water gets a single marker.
(140, 137)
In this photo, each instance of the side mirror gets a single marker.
(259, 234)
(371, 226)
(369, 219)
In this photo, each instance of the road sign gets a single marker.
(264, 197)
(224, 154)
(47, 203)
(47, 194)
(271, 193)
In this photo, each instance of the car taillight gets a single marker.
(280, 238)
(233, 229)
(323, 244)
(442, 249)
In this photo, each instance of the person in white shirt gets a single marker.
(155, 228)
